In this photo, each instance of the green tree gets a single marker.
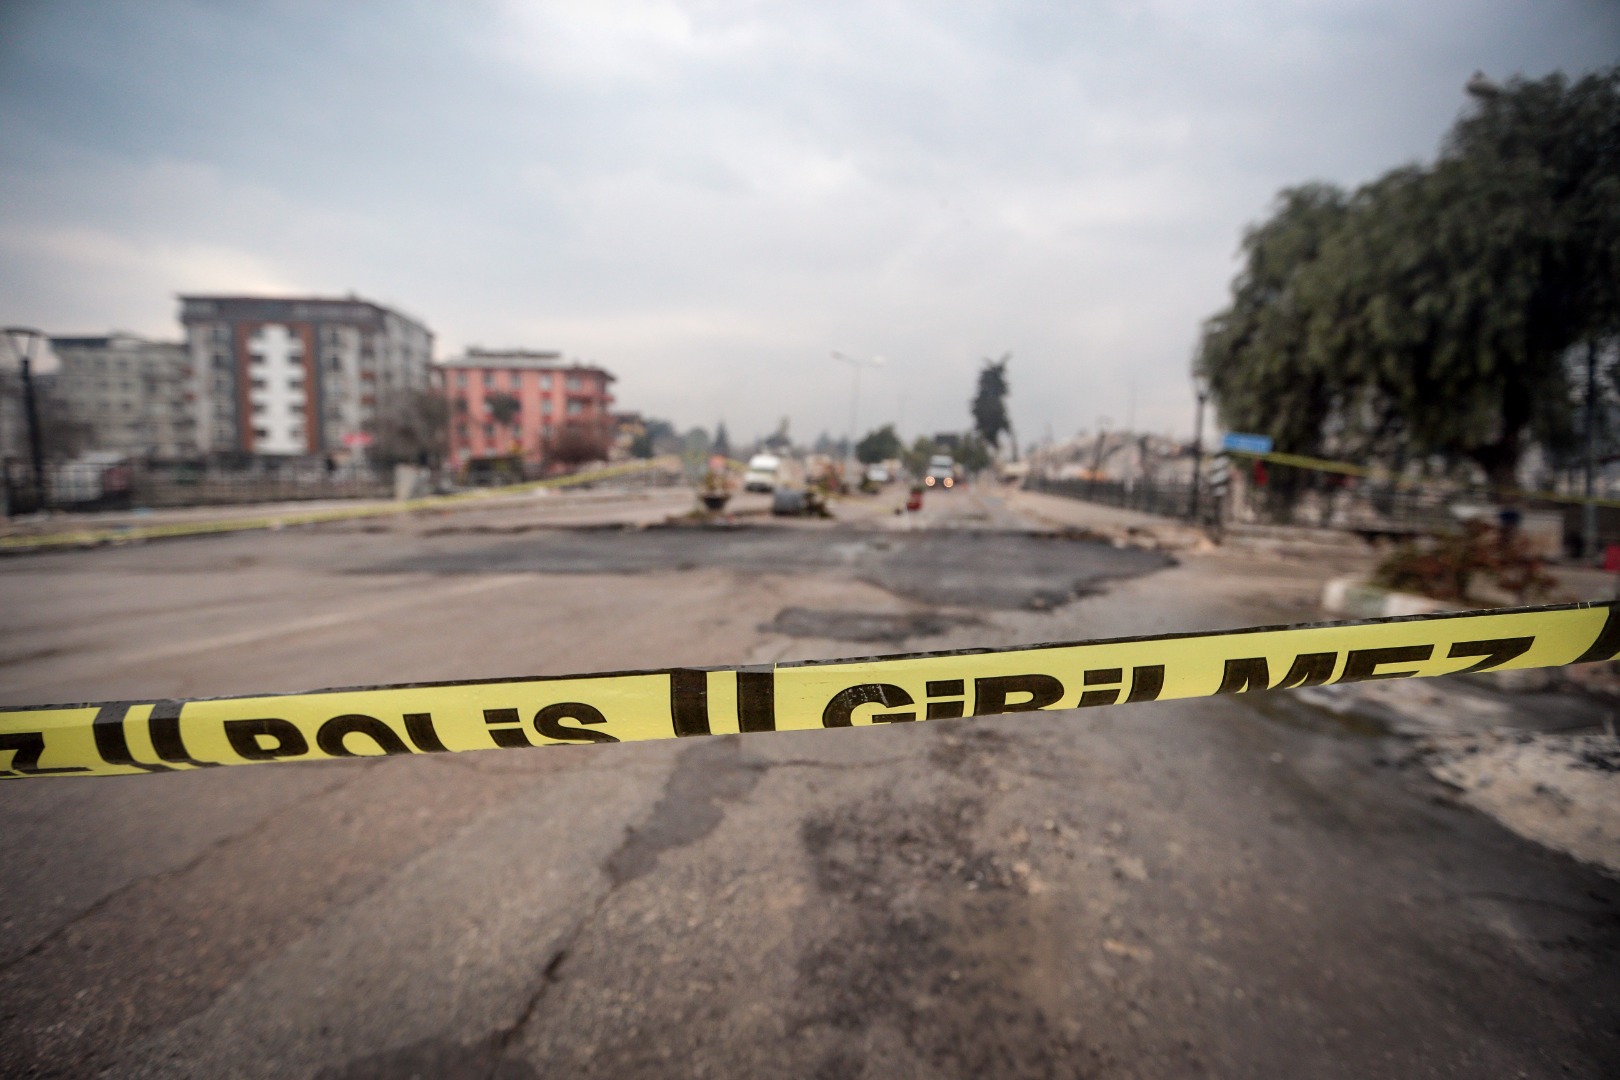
(1433, 313)
(990, 403)
(1254, 352)
(504, 410)
(879, 445)
(973, 453)
(657, 437)
(916, 459)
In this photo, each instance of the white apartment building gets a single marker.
(288, 376)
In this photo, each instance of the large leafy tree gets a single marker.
(1433, 313)
(990, 402)
(878, 445)
(1255, 352)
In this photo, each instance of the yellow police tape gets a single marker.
(462, 499)
(159, 736)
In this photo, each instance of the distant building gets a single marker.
(298, 375)
(556, 401)
(127, 394)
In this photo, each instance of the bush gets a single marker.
(1446, 566)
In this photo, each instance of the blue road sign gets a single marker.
(1246, 444)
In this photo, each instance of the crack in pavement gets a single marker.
(712, 771)
(51, 936)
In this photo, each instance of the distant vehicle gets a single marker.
(941, 471)
(1015, 472)
(878, 474)
(764, 473)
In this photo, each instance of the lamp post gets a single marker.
(1589, 521)
(1103, 424)
(1201, 390)
(855, 363)
(24, 340)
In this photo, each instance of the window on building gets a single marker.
(256, 358)
(461, 379)
(258, 408)
(575, 408)
(261, 433)
(222, 333)
(334, 363)
(258, 384)
(545, 380)
(575, 382)
(545, 405)
(489, 432)
(489, 379)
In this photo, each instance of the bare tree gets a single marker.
(411, 428)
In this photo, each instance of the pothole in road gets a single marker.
(877, 626)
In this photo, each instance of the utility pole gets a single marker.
(856, 363)
(1103, 424)
(29, 340)
(1201, 390)
(1589, 523)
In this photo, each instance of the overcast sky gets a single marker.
(708, 198)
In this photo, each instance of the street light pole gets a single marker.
(29, 340)
(1589, 522)
(1103, 424)
(855, 363)
(1201, 389)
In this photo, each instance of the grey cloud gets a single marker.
(709, 197)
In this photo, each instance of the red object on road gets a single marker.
(914, 501)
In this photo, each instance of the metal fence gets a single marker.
(222, 488)
(88, 486)
(1372, 511)
(1166, 500)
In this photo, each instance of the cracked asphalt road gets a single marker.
(1180, 888)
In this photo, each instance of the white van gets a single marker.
(764, 471)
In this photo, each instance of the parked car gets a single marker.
(878, 474)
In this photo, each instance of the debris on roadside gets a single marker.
(1560, 790)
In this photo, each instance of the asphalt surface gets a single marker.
(1217, 887)
(945, 568)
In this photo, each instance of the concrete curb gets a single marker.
(1357, 598)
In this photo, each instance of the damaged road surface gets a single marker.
(1167, 889)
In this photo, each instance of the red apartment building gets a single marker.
(552, 396)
